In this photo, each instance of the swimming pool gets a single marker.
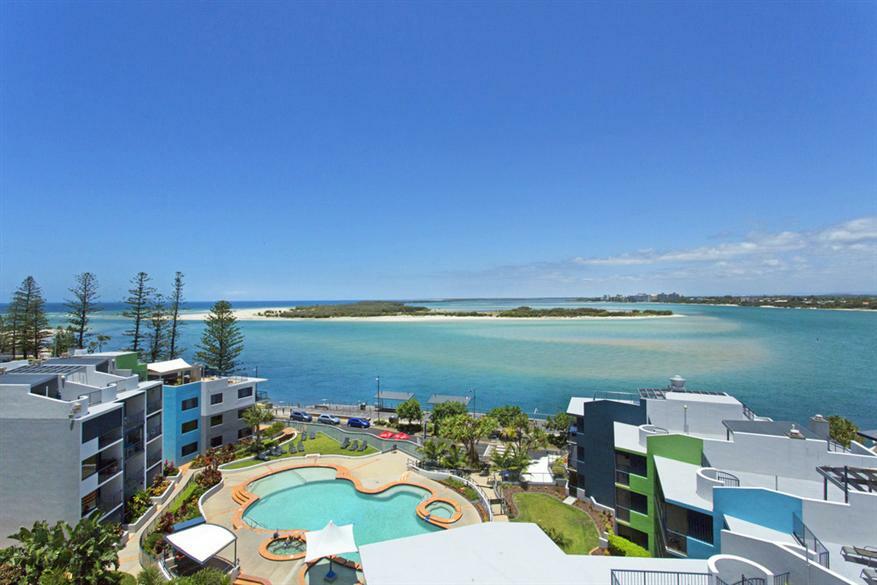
(307, 498)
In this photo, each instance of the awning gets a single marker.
(168, 366)
(331, 540)
(389, 395)
(442, 398)
(202, 542)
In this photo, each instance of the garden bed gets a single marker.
(572, 529)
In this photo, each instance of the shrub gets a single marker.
(137, 505)
(275, 429)
(559, 538)
(842, 430)
(621, 547)
(170, 468)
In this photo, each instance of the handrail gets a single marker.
(482, 496)
(644, 577)
(808, 540)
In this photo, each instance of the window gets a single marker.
(245, 432)
(630, 463)
(189, 426)
(189, 449)
(216, 441)
(215, 420)
(189, 404)
(245, 392)
(216, 398)
(241, 412)
(633, 535)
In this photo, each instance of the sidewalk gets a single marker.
(129, 556)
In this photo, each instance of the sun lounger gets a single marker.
(313, 435)
(345, 443)
(869, 576)
(263, 456)
(304, 436)
(363, 446)
(301, 448)
(864, 555)
(354, 445)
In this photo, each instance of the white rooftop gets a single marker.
(576, 406)
(201, 542)
(627, 438)
(679, 483)
(494, 553)
(168, 366)
(697, 397)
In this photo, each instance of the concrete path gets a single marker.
(569, 501)
(484, 483)
(129, 556)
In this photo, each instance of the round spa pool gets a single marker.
(308, 498)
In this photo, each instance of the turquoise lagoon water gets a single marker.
(298, 499)
(784, 363)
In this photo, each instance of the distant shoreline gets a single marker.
(252, 314)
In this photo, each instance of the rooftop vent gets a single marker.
(677, 382)
(794, 433)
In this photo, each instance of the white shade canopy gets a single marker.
(168, 366)
(202, 542)
(331, 540)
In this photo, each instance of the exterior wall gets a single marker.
(596, 466)
(678, 447)
(130, 361)
(704, 418)
(757, 505)
(779, 560)
(41, 473)
(779, 456)
(174, 417)
(842, 523)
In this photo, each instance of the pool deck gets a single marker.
(369, 473)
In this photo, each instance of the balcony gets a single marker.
(104, 470)
(622, 513)
(153, 430)
(134, 420)
(109, 437)
(153, 404)
(98, 501)
(133, 448)
(622, 476)
(262, 396)
(676, 542)
(806, 538)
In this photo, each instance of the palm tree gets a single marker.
(256, 416)
(455, 457)
(433, 450)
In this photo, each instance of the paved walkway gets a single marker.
(371, 471)
(129, 556)
(484, 483)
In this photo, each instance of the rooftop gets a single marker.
(442, 398)
(775, 428)
(27, 379)
(54, 369)
(91, 360)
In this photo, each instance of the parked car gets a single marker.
(359, 423)
(328, 419)
(300, 415)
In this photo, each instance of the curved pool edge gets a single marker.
(246, 498)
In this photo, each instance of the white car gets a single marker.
(328, 419)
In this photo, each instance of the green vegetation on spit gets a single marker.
(396, 309)
(321, 444)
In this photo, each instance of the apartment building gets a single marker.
(78, 436)
(202, 412)
(697, 474)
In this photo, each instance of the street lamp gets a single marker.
(380, 400)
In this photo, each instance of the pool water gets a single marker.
(292, 500)
(287, 547)
(441, 510)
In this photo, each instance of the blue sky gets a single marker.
(371, 150)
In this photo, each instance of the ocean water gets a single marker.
(784, 363)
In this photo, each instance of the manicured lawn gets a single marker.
(549, 512)
(322, 444)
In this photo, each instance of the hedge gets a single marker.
(621, 547)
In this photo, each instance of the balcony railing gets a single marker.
(133, 448)
(676, 541)
(152, 406)
(262, 396)
(808, 540)
(109, 437)
(622, 513)
(640, 577)
(104, 469)
(744, 580)
(153, 457)
(152, 431)
(622, 476)
(105, 503)
(134, 419)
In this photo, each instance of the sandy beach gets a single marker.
(252, 314)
